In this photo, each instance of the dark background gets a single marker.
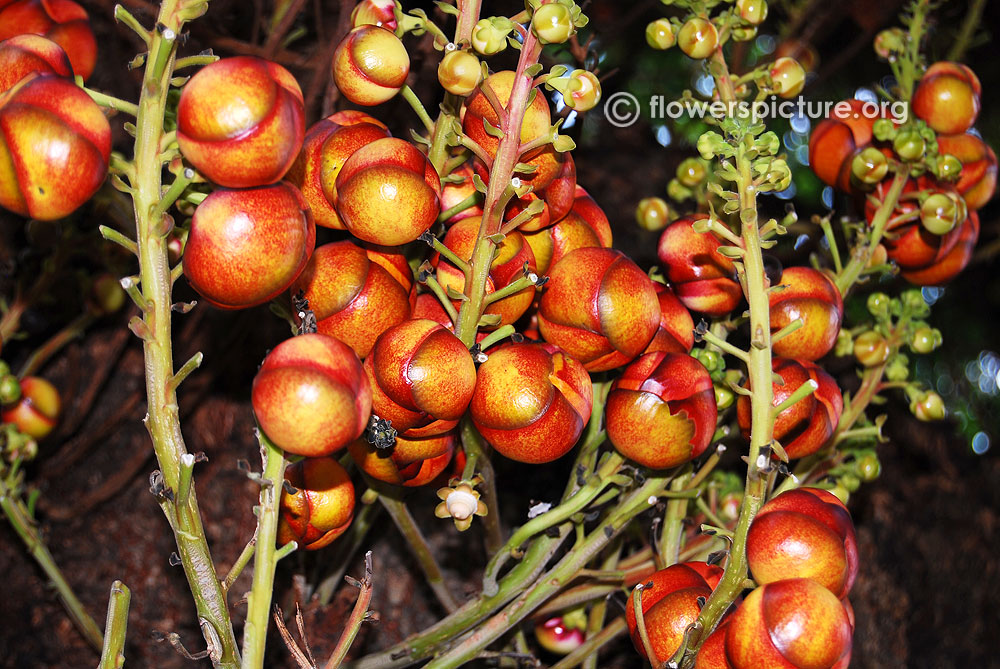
(928, 587)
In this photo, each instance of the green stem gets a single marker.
(162, 422)
(75, 329)
(578, 502)
(501, 172)
(467, 203)
(112, 102)
(863, 252)
(13, 507)
(419, 547)
(963, 39)
(475, 446)
(755, 285)
(418, 107)
(358, 615)
(673, 528)
(113, 654)
(554, 580)
(264, 559)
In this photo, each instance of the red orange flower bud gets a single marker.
(422, 378)
(357, 293)
(311, 396)
(557, 636)
(370, 65)
(561, 194)
(599, 307)
(676, 331)
(375, 12)
(322, 506)
(247, 246)
(810, 422)
(531, 402)
(836, 139)
(661, 411)
(62, 21)
(409, 462)
(808, 294)
(977, 182)
(669, 604)
(804, 533)
(948, 267)
(37, 411)
(585, 226)
(947, 97)
(56, 144)
(388, 192)
(23, 54)
(327, 146)
(795, 623)
(702, 278)
(788, 76)
(240, 121)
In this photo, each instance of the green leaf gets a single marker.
(446, 7)
(534, 70)
(492, 130)
(477, 181)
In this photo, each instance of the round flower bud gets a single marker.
(584, 91)
(37, 411)
(63, 21)
(752, 11)
(940, 213)
(653, 213)
(890, 42)
(322, 506)
(459, 72)
(376, 13)
(788, 76)
(869, 166)
(925, 340)
(927, 406)
(909, 145)
(692, 172)
(660, 34)
(698, 38)
(552, 23)
(871, 349)
(488, 39)
(23, 54)
(370, 65)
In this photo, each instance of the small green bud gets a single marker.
(928, 406)
(925, 340)
(850, 481)
(878, 304)
(883, 129)
(909, 145)
(712, 360)
(948, 167)
(869, 468)
(653, 213)
(724, 397)
(488, 38)
(890, 43)
(752, 11)
(10, 389)
(660, 34)
(692, 172)
(870, 166)
(939, 214)
(678, 192)
(553, 23)
(898, 368)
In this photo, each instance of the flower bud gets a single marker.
(488, 38)
(752, 11)
(788, 76)
(692, 172)
(375, 12)
(927, 406)
(459, 72)
(10, 389)
(552, 23)
(890, 43)
(869, 166)
(940, 212)
(698, 38)
(653, 213)
(322, 506)
(584, 90)
(23, 54)
(37, 411)
(871, 349)
(370, 65)
(660, 34)
(925, 340)
(702, 278)
(948, 97)
(868, 466)
(909, 145)
(557, 635)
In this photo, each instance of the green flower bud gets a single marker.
(677, 192)
(878, 304)
(948, 167)
(909, 145)
(724, 397)
(870, 166)
(584, 90)
(660, 34)
(10, 389)
(871, 349)
(692, 172)
(653, 213)
(868, 466)
(752, 11)
(698, 38)
(890, 43)
(552, 23)
(743, 33)
(925, 340)
(883, 129)
(488, 38)
(928, 406)
(850, 481)
(939, 214)
(898, 369)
